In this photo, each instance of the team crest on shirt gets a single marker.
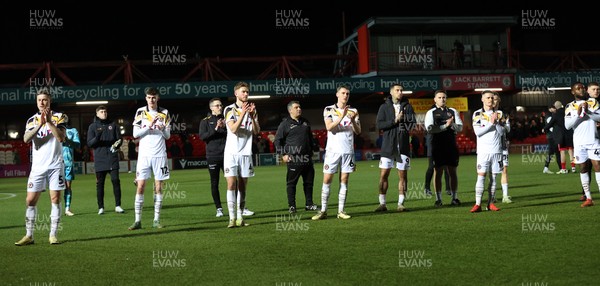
(109, 127)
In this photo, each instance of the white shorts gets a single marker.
(54, 179)
(333, 160)
(152, 165)
(488, 161)
(387, 163)
(588, 151)
(505, 158)
(238, 165)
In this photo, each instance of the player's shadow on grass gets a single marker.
(545, 196)
(11, 226)
(139, 233)
(184, 205)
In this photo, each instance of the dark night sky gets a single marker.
(234, 31)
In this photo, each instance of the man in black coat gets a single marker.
(104, 137)
(396, 118)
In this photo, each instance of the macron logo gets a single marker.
(183, 163)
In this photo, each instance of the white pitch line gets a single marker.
(8, 196)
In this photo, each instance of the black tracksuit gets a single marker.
(102, 134)
(294, 138)
(215, 147)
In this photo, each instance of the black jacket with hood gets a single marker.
(102, 134)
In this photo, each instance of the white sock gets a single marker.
(342, 197)
(30, 215)
(241, 203)
(157, 205)
(505, 190)
(438, 196)
(324, 197)
(585, 179)
(479, 189)
(400, 199)
(231, 203)
(454, 195)
(54, 218)
(382, 199)
(138, 204)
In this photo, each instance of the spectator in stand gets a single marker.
(416, 145)
(85, 153)
(131, 153)
(534, 128)
(359, 142)
(262, 145)
(175, 149)
(188, 148)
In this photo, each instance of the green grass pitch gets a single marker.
(543, 238)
